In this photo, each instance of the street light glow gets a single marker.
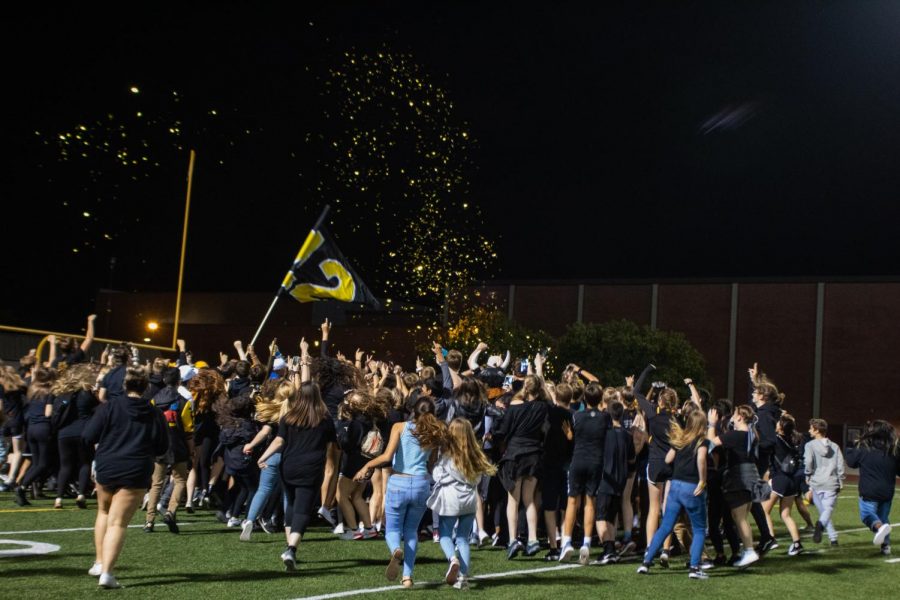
(152, 325)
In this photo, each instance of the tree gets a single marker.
(491, 326)
(616, 349)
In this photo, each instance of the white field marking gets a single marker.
(892, 560)
(425, 584)
(348, 593)
(30, 548)
(77, 529)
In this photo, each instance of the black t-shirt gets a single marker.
(685, 468)
(783, 451)
(85, 403)
(523, 428)
(12, 404)
(589, 435)
(34, 410)
(303, 452)
(618, 451)
(557, 449)
(350, 439)
(658, 425)
(114, 383)
(333, 397)
(735, 445)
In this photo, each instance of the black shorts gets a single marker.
(13, 428)
(658, 472)
(737, 499)
(584, 479)
(607, 508)
(510, 471)
(554, 487)
(785, 486)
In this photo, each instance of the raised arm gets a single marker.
(506, 360)
(712, 418)
(51, 339)
(305, 361)
(242, 355)
(326, 333)
(695, 395)
(182, 352)
(89, 334)
(473, 358)
(639, 384)
(590, 377)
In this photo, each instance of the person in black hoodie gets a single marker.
(767, 401)
(155, 379)
(237, 429)
(171, 403)
(129, 433)
(618, 454)
(877, 456)
(12, 394)
(73, 405)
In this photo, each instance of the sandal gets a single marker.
(407, 582)
(393, 568)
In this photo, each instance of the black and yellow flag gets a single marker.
(320, 272)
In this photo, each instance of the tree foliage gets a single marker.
(615, 349)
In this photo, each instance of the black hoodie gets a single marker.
(130, 434)
(878, 469)
(768, 415)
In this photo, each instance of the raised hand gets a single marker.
(629, 381)
(326, 329)
(304, 347)
(358, 355)
(753, 372)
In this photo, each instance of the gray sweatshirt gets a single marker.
(824, 465)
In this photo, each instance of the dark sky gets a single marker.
(655, 140)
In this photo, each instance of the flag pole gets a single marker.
(315, 227)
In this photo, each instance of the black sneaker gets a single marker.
(817, 534)
(664, 560)
(720, 560)
(81, 503)
(795, 549)
(886, 549)
(513, 549)
(532, 548)
(169, 520)
(189, 510)
(769, 544)
(20, 498)
(148, 527)
(289, 558)
(552, 555)
(698, 573)
(265, 525)
(221, 516)
(834, 543)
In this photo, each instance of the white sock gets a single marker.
(586, 542)
(566, 540)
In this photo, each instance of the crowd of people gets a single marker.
(458, 451)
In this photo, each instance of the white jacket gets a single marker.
(452, 495)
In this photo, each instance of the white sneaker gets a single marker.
(246, 530)
(109, 582)
(566, 553)
(338, 529)
(96, 570)
(452, 571)
(747, 558)
(348, 534)
(233, 522)
(584, 555)
(483, 538)
(436, 537)
(326, 514)
(462, 583)
(882, 533)
(289, 560)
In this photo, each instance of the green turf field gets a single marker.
(208, 561)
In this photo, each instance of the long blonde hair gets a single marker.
(272, 409)
(465, 452)
(693, 432)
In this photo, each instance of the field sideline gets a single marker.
(208, 560)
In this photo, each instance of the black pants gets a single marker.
(301, 500)
(74, 460)
(720, 520)
(759, 516)
(39, 444)
(204, 450)
(243, 489)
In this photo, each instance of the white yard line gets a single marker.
(390, 588)
(78, 529)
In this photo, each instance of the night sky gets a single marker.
(574, 142)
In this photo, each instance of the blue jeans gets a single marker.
(872, 511)
(404, 505)
(681, 496)
(268, 481)
(445, 526)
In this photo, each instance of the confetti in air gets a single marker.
(395, 167)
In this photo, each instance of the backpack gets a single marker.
(792, 462)
(372, 444)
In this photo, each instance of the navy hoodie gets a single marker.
(130, 434)
(878, 469)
